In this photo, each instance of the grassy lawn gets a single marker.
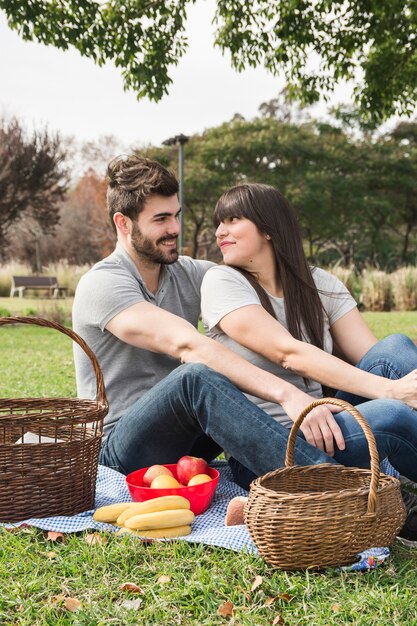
(38, 576)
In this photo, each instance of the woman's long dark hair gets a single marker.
(267, 208)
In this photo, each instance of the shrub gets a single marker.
(404, 288)
(349, 277)
(7, 271)
(4, 312)
(376, 290)
(67, 275)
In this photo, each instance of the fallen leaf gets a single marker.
(131, 604)
(53, 536)
(57, 599)
(132, 587)
(225, 609)
(20, 608)
(336, 607)
(72, 604)
(51, 555)
(164, 579)
(93, 538)
(285, 596)
(269, 601)
(258, 581)
(278, 620)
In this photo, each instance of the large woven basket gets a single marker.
(49, 447)
(323, 515)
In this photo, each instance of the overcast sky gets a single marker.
(68, 93)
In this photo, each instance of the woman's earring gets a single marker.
(268, 236)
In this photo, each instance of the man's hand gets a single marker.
(319, 427)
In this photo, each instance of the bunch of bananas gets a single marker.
(159, 518)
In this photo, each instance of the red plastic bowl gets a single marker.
(199, 496)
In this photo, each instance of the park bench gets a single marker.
(48, 283)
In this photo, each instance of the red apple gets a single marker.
(189, 466)
(152, 472)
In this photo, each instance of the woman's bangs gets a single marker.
(227, 208)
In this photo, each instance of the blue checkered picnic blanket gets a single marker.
(208, 527)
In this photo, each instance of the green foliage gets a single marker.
(354, 193)
(144, 39)
(372, 43)
(373, 39)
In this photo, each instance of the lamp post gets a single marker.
(180, 140)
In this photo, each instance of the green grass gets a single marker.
(44, 307)
(383, 324)
(37, 575)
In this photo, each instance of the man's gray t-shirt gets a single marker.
(225, 289)
(110, 287)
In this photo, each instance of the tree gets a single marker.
(84, 234)
(33, 178)
(314, 44)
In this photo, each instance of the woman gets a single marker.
(267, 304)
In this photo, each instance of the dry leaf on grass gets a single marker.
(269, 601)
(72, 604)
(56, 600)
(225, 609)
(51, 555)
(95, 538)
(131, 604)
(54, 536)
(20, 608)
(256, 583)
(131, 587)
(336, 607)
(284, 596)
(164, 579)
(278, 620)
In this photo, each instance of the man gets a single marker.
(168, 385)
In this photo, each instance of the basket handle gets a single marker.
(40, 321)
(373, 451)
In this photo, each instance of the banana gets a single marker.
(164, 533)
(163, 503)
(160, 519)
(157, 533)
(111, 512)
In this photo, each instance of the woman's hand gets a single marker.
(405, 389)
(319, 427)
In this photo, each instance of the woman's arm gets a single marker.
(352, 336)
(254, 328)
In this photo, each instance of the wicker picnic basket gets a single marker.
(323, 515)
(49, 447)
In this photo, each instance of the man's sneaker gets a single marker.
(408, 533)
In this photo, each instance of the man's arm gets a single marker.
(149, 327)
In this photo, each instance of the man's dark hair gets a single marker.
(132, 180)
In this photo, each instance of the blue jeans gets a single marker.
(394, 423)
(197, 411)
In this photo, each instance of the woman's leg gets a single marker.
(394, 425)
(392, 357)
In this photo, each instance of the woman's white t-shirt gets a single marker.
(224, 289)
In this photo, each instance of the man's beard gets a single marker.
(145, 248)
